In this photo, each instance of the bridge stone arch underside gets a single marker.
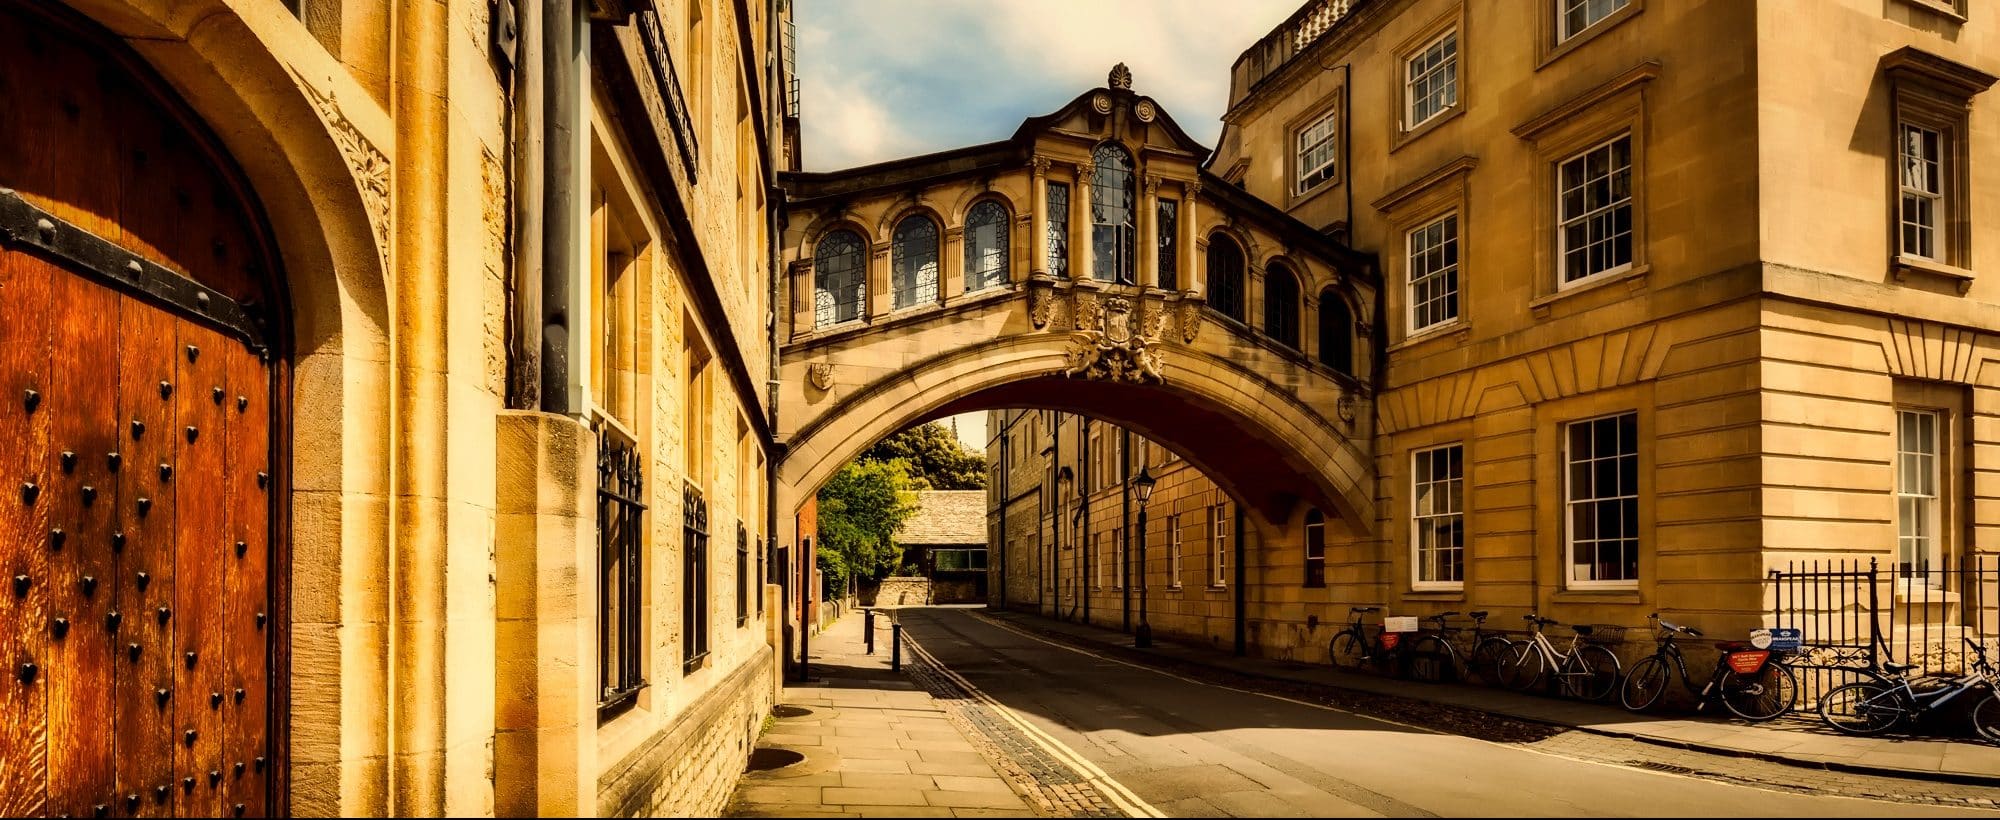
(1265, 423)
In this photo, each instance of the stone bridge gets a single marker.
(1087, 264)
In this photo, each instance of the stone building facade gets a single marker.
(494, 554)
(1674, 294)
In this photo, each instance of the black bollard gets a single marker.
(895, 647)
(868, 629)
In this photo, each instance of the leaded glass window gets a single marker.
(1113, 239)
(840, 278)
(913, 262)
(985, 246)
(1170, 244)
(1225, 277)
(1058, 229)
(1281, 305)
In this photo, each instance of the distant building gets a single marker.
(945, 542)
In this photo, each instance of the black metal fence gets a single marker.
(620, 511)
(1854, 615)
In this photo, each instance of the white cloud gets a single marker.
(889, 78)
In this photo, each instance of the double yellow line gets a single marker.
(1120, 796)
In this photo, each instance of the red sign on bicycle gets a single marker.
(1390, 639)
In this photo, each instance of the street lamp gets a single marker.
(1143, 487)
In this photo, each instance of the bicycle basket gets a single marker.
(1611, 634)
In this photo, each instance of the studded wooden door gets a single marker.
(136, 446)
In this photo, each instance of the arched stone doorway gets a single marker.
(145, 355)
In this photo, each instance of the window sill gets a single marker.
(1302, 197)
(1405, 137)
(1904, 265)
(1634, 278)
(1557, 50)
(1437, 594)
(1592, 595)
(1945, 10)
(1455, 327)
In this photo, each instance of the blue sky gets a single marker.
(881, 79)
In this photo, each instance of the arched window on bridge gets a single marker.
(1336, 332)
(913, 261)
(1113, 238)
(985, 246)
(840, 278)
(1281, 305)
(1225, 276)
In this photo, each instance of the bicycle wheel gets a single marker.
(1773, 691)
(1346, 650)
(1523, 667)
(1488, 656)
(1865, 708)
(1590, 673)
(1432, 660)
(1644, 685)
(1986, 717)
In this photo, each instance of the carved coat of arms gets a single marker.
(1114, 345)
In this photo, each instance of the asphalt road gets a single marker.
(1195, 749)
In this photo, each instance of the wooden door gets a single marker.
(138, 410)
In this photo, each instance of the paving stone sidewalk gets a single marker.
(875, 745)
(1801, 743)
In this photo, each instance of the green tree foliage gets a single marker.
(860, 509)
(937, 461)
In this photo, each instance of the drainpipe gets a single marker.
(1083, 512)
(1242, 607)
(774, 215)
(1125, 526)
(1055, 518)
(525, 375)
(1005, 443)
(561, 55)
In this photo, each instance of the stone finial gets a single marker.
(1121, 77)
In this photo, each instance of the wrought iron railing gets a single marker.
(694, 579)
(1854, 616)
(620, 541)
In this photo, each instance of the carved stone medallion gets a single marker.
(820, 374)
(1101, 103)
(1145, 110)
(1115, 347)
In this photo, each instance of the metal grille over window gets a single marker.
(1170, 245)
(914, 262)
(985, 246)
(1922, 190)
(1058, 229)
(1432, 87)
(1602, 490)
(1225, 277)
(1113, 241)
(620, 538)
(1434, 273)
(1438, 512)
(694, 578)
(1596, 201)
(1316, 153)
(840, 281)
(742, 575)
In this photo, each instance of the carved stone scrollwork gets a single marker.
(1116, 347)
(1101, 103)
(1083, 306)
(820, 374)
(369, 164)
(1190, 316)
(1041, 166)
(1145, 111)
(1083, 172)
(1041, 299)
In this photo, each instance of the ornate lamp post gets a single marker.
(1143, 488)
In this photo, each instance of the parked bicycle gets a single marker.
(1357, 644)
(1876, 706)
(1752, 683)
(1581, 670)
(1436, 656)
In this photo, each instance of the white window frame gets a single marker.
(1444, 71)
(1564, 221)
(1570, 503)
(1174, 551)
(1218, 558)
(1448, 236)
(1097, 572)
(1928, 500)
(1311, 177)
(1929, 192)
(1117, 558)
(1563, 7)
(1419, 517)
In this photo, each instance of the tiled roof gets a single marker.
(946, 517)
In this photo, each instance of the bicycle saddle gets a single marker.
(1363, 608)
(1478, 613)
(1446, 614)
(1582, 629)
(1539, 620)
(1894, 668)
(1691, 631)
